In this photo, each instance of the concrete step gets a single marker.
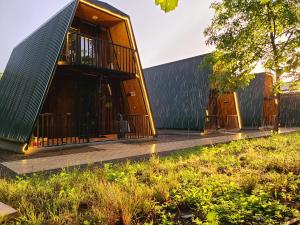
(6, 211)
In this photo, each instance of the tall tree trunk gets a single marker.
(277, 116)
(272, 21)
(278, 101)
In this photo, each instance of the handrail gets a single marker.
(67, 128)
(108, 42)
(81, 49)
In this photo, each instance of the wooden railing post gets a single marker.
(99, 53)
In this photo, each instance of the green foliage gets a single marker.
(246, 33)
(244, 182)
(1, 74)
(293, 82)
(167, 5)
(224, 79)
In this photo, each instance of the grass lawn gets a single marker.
(244, 182)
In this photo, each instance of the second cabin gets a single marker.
(181, 98)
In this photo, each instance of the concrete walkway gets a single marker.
(6, 210)
(117, 151)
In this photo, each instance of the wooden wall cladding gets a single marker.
(60, 98)
(119, 29)
(269, 111)
(222, 110)
(268, 85)
(269, 105)
(227, 113)
(120, 35)
(89, 13)
(132, 92)
(132, 88)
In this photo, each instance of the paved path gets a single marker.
(6, 210)
(118, 151)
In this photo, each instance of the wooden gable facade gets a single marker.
(87, 84)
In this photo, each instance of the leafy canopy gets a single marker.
(167, 5)
(246, 33)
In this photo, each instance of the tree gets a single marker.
(246, 33)
(167, 5)
(1, 74)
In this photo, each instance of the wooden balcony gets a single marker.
(84, 50)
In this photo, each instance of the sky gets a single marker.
(161, 37)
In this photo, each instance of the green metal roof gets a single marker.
(290, 109)
(251, 100)
(179, 93)
(28, 75)
(108, 7)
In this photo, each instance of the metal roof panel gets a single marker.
(179, 93)
(109, 7)
(28, 75)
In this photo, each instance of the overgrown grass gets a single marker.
(244, 182)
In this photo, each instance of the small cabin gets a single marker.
(77, 79)
(181, 98)
(257, 102)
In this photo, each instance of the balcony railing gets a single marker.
(62, 129)
(90, 51)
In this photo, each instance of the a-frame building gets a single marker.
(182, 99)
(76, 79)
